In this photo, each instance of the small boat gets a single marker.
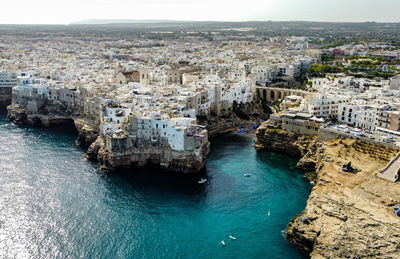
(269, 213)
(202, 180)
(232, 237)
(223, 242)
(247, 175)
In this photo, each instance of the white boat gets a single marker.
(269, 213)
(223, 242)
(232, 237)
(202, 180)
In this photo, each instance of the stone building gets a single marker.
(299, 123)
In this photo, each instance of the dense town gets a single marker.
(151, 93)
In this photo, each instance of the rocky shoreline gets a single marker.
(89, 137)
(19, 116)
(229, 121)
(348, 215)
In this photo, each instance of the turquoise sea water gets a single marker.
(55, 204)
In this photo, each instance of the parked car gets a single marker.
(356, 132)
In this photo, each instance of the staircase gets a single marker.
(392, 170)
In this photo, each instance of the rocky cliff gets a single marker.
(19, 116)
(88, 136)
(288, 143)
(228, 120)
(166, 158)
(348, 215)
(87, 133)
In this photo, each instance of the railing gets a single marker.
(349, 135)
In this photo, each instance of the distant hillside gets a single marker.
(176, 29)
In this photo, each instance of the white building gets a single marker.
(326, 105)
(8, 79)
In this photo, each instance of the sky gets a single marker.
(66, 11)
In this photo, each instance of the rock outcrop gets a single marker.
(96, 148)
(166, 158)
(348, 215)
(288, 143)
(87, 133)
(127, 152)
(228, 120)
(19, 116)
(186, 162)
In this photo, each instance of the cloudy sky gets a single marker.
(66, 11)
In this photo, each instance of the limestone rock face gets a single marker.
(87, 133)
(228, 120)
(284, 142)
(185, 162)
(17, 115)
(94, 149)
(165, 157)
(349, 215)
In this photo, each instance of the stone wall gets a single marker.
(326, 134)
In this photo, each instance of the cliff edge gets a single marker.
(87, 133)
(166, 158)
(348, 215)
(126, 153)
(290, 144)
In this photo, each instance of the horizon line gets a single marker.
(155, 21)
